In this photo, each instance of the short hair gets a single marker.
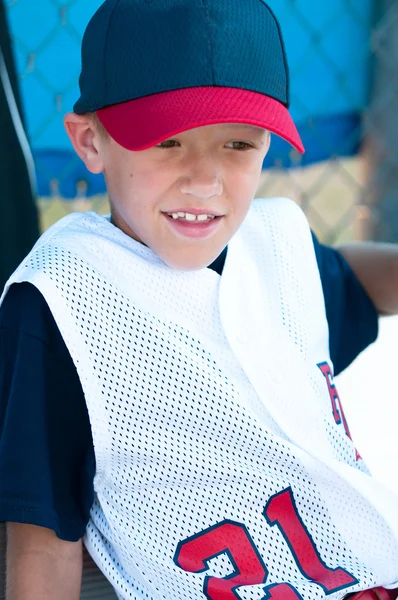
(98, 125)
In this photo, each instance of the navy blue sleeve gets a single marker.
(351, 315)
(47, 462)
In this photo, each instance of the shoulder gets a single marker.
(352, 317)
(279, 205)
(279, 214)
(74, 224)
(25, 311)
(280, 222)
(22, 305)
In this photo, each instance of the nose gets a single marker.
(201, 179)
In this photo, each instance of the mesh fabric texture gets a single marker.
(205, 400)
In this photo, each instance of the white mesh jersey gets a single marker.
(224, 465)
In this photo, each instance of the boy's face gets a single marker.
(186, 197)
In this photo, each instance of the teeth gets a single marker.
(191, 217)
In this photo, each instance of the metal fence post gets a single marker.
(381, 126)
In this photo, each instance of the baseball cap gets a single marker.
(154, 68)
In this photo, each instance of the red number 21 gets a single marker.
(233, 538)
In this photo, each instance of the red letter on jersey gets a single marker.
(282, 511)
(337, 408)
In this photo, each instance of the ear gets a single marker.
(85, 140)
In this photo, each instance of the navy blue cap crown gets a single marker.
(136, 48)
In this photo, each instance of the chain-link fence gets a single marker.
(344, 61)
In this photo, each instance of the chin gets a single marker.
(189, 263)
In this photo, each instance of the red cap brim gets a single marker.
(144, 122)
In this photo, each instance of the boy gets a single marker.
(224, 466)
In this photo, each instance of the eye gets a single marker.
(240, 145)
(168, 144)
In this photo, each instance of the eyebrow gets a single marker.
(251, 128)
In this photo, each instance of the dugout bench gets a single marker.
(94, 584)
